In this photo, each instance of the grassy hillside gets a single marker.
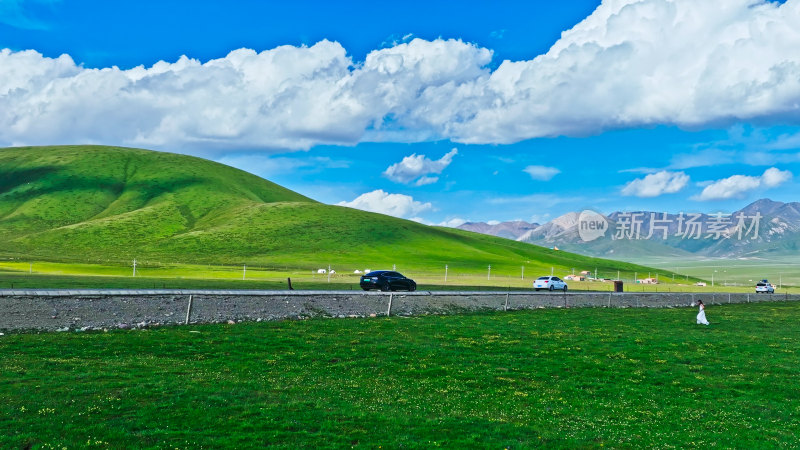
(109, 205)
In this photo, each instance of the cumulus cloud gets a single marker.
(453, 223)
(773, 177)
(382, 202)
(419, 168)
(737, 185)
(284, 98)
(630, 63)
(542, 173)
(655, 184)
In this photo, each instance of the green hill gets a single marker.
(109, 205)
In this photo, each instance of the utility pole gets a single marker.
(445, 273)
(489, 273)
(551, 271)
(134, 266)
(244, 271)
(394, 266)
(329, 273)
(523, 272)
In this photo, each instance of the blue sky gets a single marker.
(437, 111)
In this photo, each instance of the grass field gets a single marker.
(43, 275)
(560, 378)
(734, 272)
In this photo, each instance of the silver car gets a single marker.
(550, 283)
(765, 287)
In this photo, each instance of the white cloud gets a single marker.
(643, 170)
(630, 63)
(397, 205)
(453, 223)
(426, 180)
(656, 184)
(493, 222)
(737, 185)
(542, 173)
(773, 177)
(419, 168)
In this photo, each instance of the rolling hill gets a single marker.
(109, 204)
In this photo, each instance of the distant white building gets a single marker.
(322, 271)
(357, 271)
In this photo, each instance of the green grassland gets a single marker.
(40, 275)
(97, 208)
(558, 378)
(780, 270)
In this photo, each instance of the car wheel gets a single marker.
(365, 288)
(565, 288)
(385, 287)
(412, 287)
(551, 287)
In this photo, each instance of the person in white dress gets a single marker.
(701, 316)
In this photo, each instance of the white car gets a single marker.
(550, 283)
(765, 287)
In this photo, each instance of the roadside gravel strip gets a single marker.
(82, 310)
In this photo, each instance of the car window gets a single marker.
(543, 278)
(398, 274)
(556, 279)
(760, 284)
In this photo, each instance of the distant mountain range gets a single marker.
(509, 230)
(760, 229)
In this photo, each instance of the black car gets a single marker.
(387, 280)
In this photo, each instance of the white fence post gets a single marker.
(389, 310)
(189, 310)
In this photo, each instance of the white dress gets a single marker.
(701, 316)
